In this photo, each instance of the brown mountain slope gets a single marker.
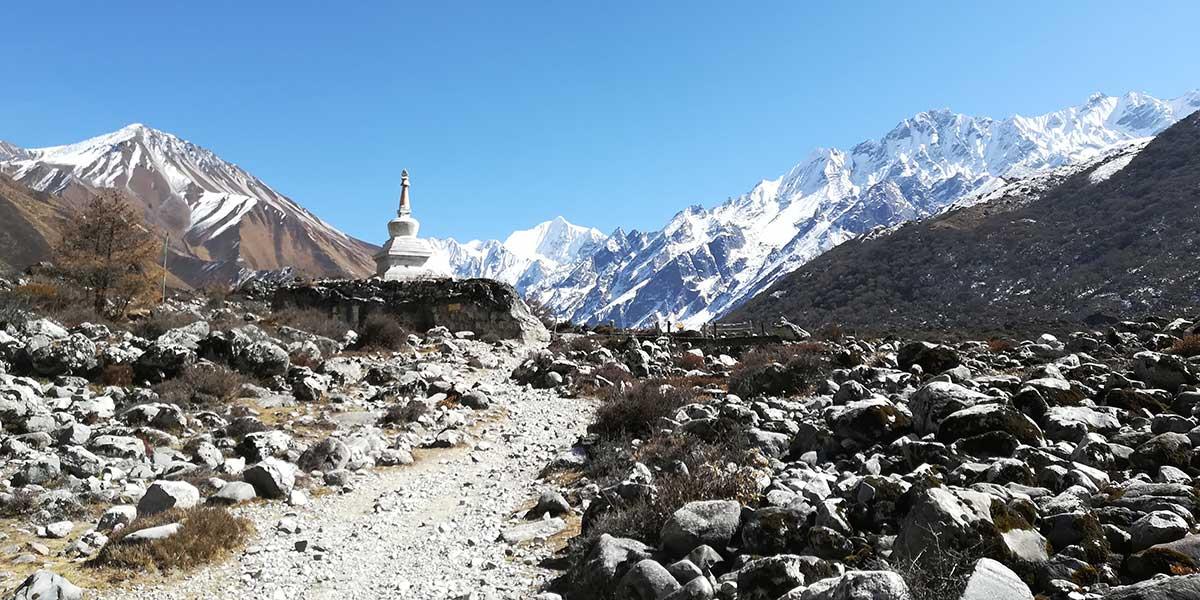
(222, 221)
(28, 225)
(1124, 246)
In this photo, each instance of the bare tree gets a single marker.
(107, 249)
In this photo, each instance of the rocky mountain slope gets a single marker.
(706, 261)
(526, 259)
(30, 222)
(1117, 239)
(221, 219)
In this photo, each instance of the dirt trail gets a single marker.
(427, 531)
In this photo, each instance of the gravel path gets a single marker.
(427, 531)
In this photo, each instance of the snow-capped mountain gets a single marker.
(526, 259)
(706, 261)
(221, 219)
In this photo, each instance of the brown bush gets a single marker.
(1001, 345)
(634, 410)
(202, 384)
(691, 362)
(20, 503)
(643, 519)
(316, 322)
(118, 375)
(805, 365)
(1188, 346)
(381, 332)
(207, 535)
(58, 300)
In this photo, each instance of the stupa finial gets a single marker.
(405, 206)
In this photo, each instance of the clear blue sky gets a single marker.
(509, 113)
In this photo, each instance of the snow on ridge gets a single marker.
(923, 165)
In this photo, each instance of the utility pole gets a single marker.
(166, 240)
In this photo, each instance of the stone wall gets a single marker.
(484, 306)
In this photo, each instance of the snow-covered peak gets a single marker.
(556, 240)
(185, 186)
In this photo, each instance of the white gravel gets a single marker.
(427, 531)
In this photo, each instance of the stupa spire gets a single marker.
(405, 206)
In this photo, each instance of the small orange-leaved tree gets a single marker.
(107, 249)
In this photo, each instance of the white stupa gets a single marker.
(404, 255)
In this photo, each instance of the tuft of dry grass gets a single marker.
(311, 320)
(1001, 345)
(203, 384)
(381, 332)
(1187, 347)
(206, 535)
(119, 375)
(634, 410)
(643, 519)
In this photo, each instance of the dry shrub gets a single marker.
(381, 332)
(781, 353)
(118, 375)
(20, 503)
(202, 384)
(643, 519)
(1001, 345)
(806, 364)
(691, 362)
(64, 303)
(634, 410)
(940, 572)
(207, 535)
(1188, 346)
(160, 322)
(313, 321)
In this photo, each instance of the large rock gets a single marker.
(260, 358)
(1186, 587)
(45, 585)
(1158, 527)
(770, 577)
(607, 562)
(485, 306)
(74, 355)
(932, 358)
(329, 454)
(991, 580)
(165, 495)
(271, 478)
(943, 517)
(938, 400)
(647, 580)
(875, 585)
(871, 421)
(987, 418)
(710, 522)
(1165, 371)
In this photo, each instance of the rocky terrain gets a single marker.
(222, 449)
(892, 469)
(336, 460)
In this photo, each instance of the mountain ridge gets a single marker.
(221, 219)
(1115, 239)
